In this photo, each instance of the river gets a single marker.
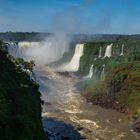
(66, 113)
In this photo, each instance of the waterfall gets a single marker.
(20, 49)
(89, 76)
(44, 52)
(100, 52)
(95, 73)
(108, 51)
(23, 44)
(15, 50)
(122, 50)
(74, 64)
(103, 73)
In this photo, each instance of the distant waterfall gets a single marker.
(100, 52)
(89, 76)
(103, 73)
(15, 50)
(44, 52)
(22, 49)
(122, 50)
(28, 44)
(95, 73)
(74, 64)
(108, 51)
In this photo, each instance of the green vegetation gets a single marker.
(91, 52)
(22, 36)
(20, 103)
(121, 87)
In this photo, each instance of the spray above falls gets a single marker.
(44, 52)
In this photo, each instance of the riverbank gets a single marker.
(132, 116)
(64, 103)
(120, 91)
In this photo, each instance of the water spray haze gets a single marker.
(49, 50)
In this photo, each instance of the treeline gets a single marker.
(38, 36)
(23, 36)
(20, 103)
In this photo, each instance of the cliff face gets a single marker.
(94, 53)
(20, 104)
(121, 87)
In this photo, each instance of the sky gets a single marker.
(71, 16)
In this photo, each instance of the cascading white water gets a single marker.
(27, 44)
(89, 76)
(108, 51)
(95, 73)
(103, 73)
(100, 52)
(19, 50)
(74, 64)
(15, 50)
(122, 50)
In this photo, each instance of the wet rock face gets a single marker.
(65, 138)
(136, 125)
(47, 103)
(66, 74)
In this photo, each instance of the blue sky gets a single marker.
(71, 16)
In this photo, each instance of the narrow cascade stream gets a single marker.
(67, 115)
(89, 76)
(100, 52)
(122, 50)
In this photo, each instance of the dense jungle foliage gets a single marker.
(20, 103)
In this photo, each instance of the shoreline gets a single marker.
(131, 116)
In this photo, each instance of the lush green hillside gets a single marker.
(121, 86)
(120, 89)
(20, 104)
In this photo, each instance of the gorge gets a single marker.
(66, 113)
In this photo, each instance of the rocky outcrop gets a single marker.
(136, 125)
